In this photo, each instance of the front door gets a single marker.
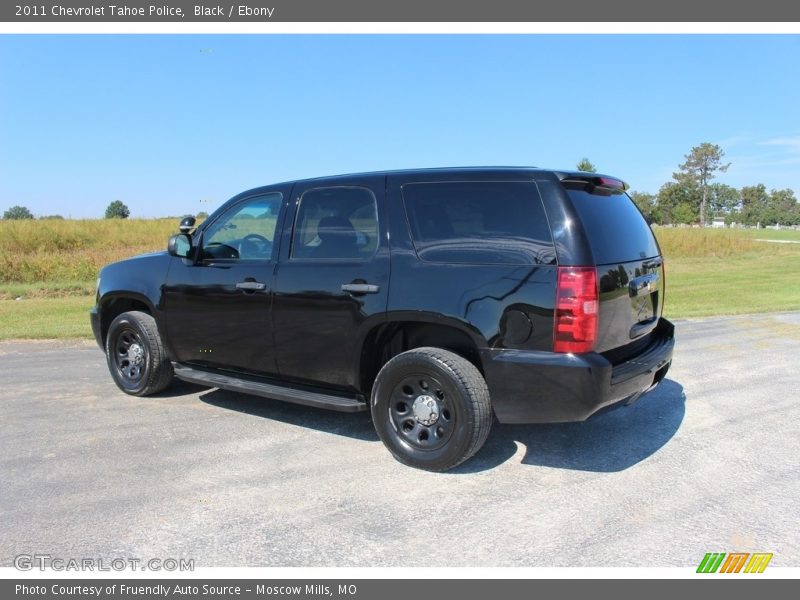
(332, 279)
(217, 308)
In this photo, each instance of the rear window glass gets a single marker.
(478, 223)
(616, 229)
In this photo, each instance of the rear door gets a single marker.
(630, 269)
(332, 279)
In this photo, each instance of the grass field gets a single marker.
(51, 267)
(42, 318)
(42, 252)
(712, 272)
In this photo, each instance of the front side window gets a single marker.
(245, 232)
(336, 223)
(478, 222)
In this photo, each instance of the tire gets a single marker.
(135, 354)
(431, 408)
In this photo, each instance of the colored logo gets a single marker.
(734, 562)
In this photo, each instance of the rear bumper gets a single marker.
(545, 387)
(94, 318)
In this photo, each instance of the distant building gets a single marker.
(718, 222)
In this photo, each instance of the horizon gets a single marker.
(178, 124)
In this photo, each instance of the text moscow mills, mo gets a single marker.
(123, 10)
(69, 591)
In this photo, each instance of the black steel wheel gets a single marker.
(421, 411)
(135, 354)
(431, 408)
(130, 356)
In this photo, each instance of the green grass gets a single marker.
(44, 318)
(52, 267)
(74, 251)
(740, 285)
(704, 243)
(773, 234)
(47, 289)
(723, 271)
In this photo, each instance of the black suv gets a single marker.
(435, 298)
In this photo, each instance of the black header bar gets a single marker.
(465, 11)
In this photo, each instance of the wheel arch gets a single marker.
(386, 340)
(114, 304)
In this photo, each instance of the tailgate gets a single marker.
(630, 270)
(631, 301)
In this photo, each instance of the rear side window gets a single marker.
(478, 222)
(336, 223)
(616, 229)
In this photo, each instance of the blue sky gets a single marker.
(179, 123)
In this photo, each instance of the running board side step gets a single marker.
(270, 390)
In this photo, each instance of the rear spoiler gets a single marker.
(593, 183)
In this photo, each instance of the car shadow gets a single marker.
(179, 388)
(608, 442)
(355, 425)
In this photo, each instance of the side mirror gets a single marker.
(187, 223)
(179, 245)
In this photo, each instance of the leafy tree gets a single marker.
(50, 217)
(673, 194)
(777, 206)
(585, 164)
(17, 212)
(754, 204)
(648, 204)
(117, 210)
(202, 215)
(701, 166)
(782, 208)
(723, 199)
(684, 213)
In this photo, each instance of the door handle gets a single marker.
(361, 288)
(643, 282)
(251, 286)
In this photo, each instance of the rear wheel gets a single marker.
(431, 408)
(135, 354)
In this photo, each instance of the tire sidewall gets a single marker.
(388, 378)
(118, 325)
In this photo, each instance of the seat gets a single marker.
(338, 238)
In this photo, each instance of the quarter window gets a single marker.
(478, 222)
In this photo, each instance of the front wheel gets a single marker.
(136, 356)
(431, 408)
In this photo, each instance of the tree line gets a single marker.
(693, 197)
(116, 210)
(690, 197)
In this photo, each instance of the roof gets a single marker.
(423, 171)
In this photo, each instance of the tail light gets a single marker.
(577, 305)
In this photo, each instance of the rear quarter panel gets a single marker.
(476, 299)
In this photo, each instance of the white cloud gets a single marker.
(790, 143)
(733, 140)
